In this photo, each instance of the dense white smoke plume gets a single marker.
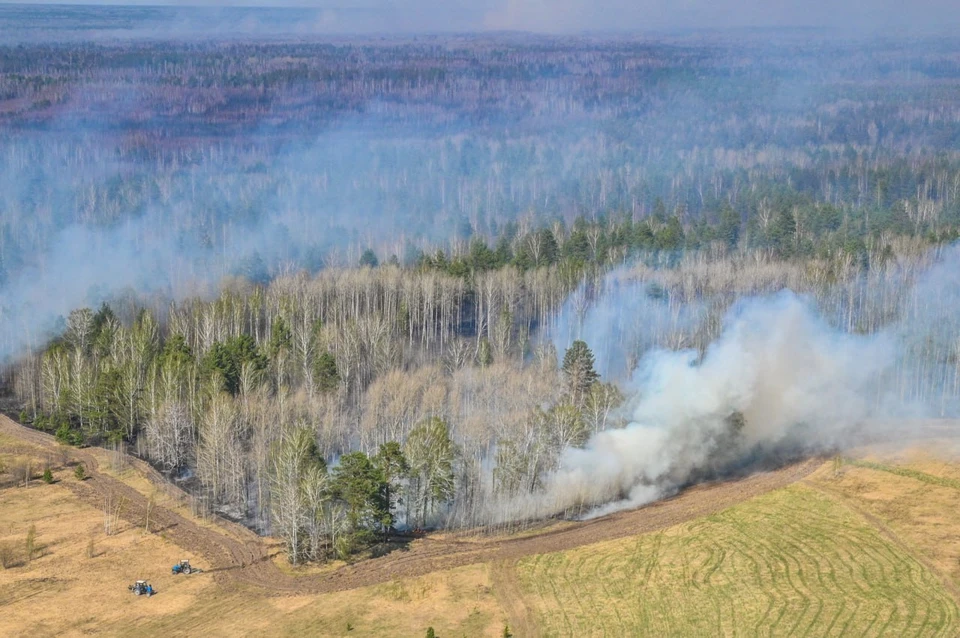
(779, 382)
(796, 382)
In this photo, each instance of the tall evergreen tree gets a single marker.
(326, 377)
(728, 229)
(578, 371)
(369, 259)
(361, 486)
(393, 467)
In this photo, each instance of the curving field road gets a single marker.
(235, 554)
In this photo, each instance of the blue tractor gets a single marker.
(183, 567)
(142, 588)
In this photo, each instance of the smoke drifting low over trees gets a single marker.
(512, 278)
(158, 168)
(716, 365)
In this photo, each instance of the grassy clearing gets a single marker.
(63, 591)
(908, 472)
(74, 586)
(913, 495)
(790, 563)
(19, 459)
(457, 603)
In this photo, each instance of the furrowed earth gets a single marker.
(866, 544)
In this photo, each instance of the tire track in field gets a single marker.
(794, 535)
(509, 593)
(887, 533)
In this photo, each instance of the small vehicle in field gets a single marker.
(142, 588)
(183, 567)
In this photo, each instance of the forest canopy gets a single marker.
(336, 289)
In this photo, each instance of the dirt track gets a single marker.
(239, 555)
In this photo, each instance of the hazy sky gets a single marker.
(564, 16)
(860, 15)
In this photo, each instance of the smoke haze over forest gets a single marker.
(215, 250)
(122, 177)
(548, 16)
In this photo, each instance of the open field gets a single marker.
(790, 563)
(913, 495)
(870, 546)
(65, 591)
(77, 580)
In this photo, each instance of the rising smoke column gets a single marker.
(778, 380)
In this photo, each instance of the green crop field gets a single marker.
(790, 563)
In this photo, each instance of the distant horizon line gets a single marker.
(460, 21)
(173, 4)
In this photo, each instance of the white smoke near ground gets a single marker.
(779, 383)
(793, 378)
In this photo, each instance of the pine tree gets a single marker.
(729, 229)
(670, 236)
(369, 259)
(280, 338)
(659, 214)
(253, 268)
(361, 486)
(481, 257)
(325, 374)
(782, 232)
(393, 466)
(579, 371)
(228, 360)
(577, 248)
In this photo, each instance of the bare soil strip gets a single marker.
(506, 587)
(239, 555)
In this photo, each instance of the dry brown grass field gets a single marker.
(864, 545)
(71, 587)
